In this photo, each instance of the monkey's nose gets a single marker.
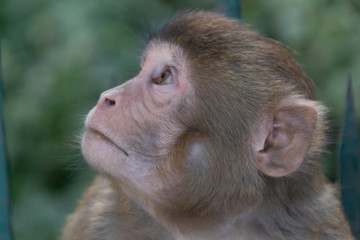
(109, 102)
(110, 98)
(106, 101)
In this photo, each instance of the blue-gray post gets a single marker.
(5, 223)
(232, 8)
(349, 156)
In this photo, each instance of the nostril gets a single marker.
(109, 102)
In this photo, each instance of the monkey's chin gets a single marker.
(100, 151)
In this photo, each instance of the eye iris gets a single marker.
(165, 78)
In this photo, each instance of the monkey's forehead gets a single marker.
(161, 51)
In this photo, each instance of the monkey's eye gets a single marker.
(166, 78)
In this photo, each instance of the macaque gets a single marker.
(219, 136)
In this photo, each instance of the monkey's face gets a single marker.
(206, 118)
(131, 127)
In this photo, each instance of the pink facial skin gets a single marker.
(129, 127)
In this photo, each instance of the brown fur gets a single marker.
(238, 78)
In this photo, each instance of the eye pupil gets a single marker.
(165, 78)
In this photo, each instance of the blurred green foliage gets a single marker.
(58, 56)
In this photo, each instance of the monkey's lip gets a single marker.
(101, 136)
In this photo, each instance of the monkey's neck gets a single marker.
(269, 219)
(263, 221)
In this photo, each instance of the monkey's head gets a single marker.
(216, 116)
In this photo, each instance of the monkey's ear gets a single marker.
(283, 139)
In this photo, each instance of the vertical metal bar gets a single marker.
(232, 8)
(349, 156)
(5, 223)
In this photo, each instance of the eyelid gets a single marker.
(167, 68)
(172, 69)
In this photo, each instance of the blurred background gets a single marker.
(58, 56)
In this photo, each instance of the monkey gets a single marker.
(219, 136)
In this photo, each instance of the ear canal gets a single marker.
(285, 139)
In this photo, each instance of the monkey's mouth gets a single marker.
(101, 136)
